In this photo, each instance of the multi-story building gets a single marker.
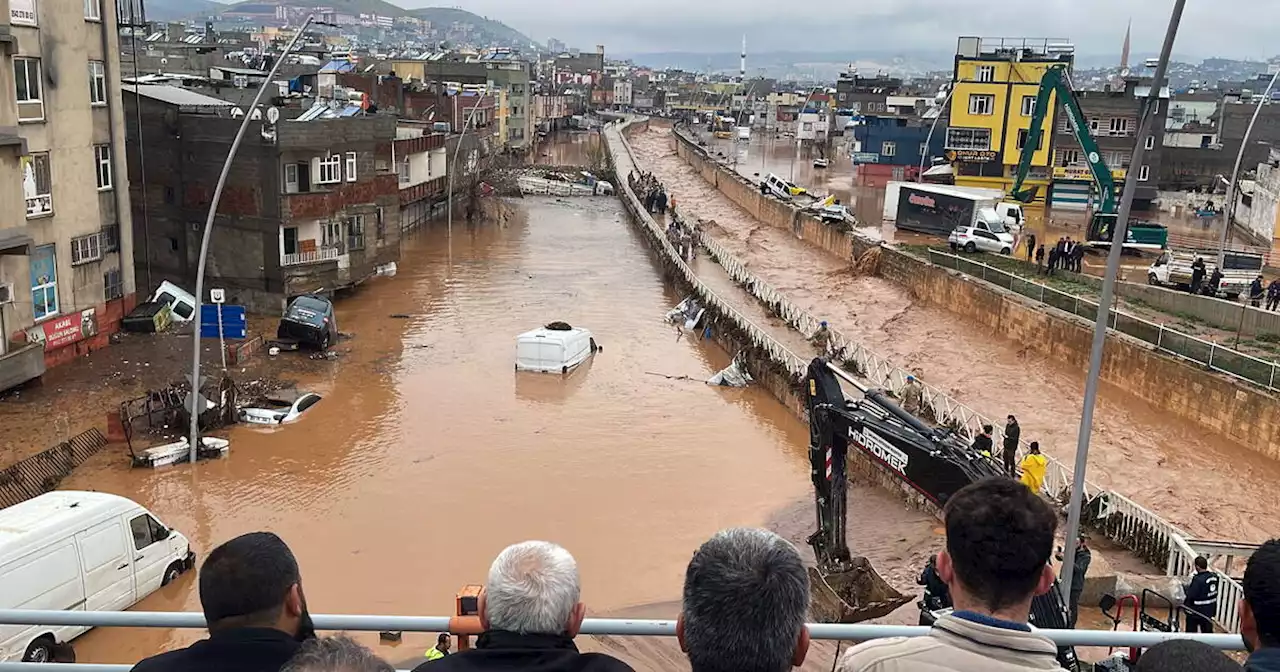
(622, 92)
(1113, 118)
(65, 202)
(422, 169)
(869, 95)
(885, 148)
(502, 73)
(995, 85)
(313, 204)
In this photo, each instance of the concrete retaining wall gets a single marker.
(1228, 408)
(1220, 313)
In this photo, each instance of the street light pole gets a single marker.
(928, 141)
(1104, 301)
(453, 168)
(208, 231)
(796, 149)
(1233, 190)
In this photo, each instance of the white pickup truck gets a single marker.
(1173, 269)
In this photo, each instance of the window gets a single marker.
(289, 234)
(26, 81)
(97, 83)
(986, 73)
(380, 227)
(111, 238)
(331, 234)
(85, 249)
(1028, 105)
(924, 149)
(355, 232)
(170, 196)
(290, 178)
(351, 166)
(1094, 125)
(1144, 173)
(969, 138)
(1118, 160)
(1150, 143)
(1023, 134)
(889, 149)
(981, 103)
(329, 169)
(102, 158)
(404, 171)
(112, 285)
(92, 10)
(37, 184)
(1070, 157)
(44, 282)
(1119, 125)
(146, 531)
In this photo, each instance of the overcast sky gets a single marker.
(1228, 28)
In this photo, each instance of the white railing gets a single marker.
(327, 253)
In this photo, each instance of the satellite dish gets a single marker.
(273, 114)
(1125, 72)
(236, 113)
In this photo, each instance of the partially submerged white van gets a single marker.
(556, 348)
(79, 551)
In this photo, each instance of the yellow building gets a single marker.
(996, 81)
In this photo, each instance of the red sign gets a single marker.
(923, 201)
(63, 331)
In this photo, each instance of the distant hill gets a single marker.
(175, 10)
(379, 7)
(490, 30)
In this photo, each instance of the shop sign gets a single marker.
(65, 330)
(972, 155)
(22, 12)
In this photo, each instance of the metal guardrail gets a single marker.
(1121, 519)
(1171, 341)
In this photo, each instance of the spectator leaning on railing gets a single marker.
(251, 594)
(746, 595)
(531, 612)
(1260, 609)
(335, 654)
(999, 538)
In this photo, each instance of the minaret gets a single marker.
(742, 64)
(1124, 51)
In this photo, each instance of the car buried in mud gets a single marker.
(309, 320)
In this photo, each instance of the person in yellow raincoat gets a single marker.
(1033, 468)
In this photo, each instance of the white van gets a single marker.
(79, 551)
(554, 350)
(182, 304)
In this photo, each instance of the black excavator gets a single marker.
(930, 460)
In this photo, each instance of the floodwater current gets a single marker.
(429, 453)
(1212, 487)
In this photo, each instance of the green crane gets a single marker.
(1141, 235)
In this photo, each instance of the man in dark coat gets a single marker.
(1012, 432)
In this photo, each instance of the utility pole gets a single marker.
(208, 231)
(1233, 190)
(1121, 229)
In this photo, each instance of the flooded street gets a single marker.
(429, 454)
(1206, 484)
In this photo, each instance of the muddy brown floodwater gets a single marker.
(429, 454)
(1206, 484)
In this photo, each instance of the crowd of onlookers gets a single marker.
(743, 609)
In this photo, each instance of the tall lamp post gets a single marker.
(1121, 229)
(928, 141)
(471, 117)
(1233, 190)
(796, 150)
(208, 230)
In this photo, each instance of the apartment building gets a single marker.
(995, 85)
(65, 203)
(500, 73)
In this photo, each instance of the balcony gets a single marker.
(316, 256)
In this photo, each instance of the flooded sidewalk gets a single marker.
(1205, 484)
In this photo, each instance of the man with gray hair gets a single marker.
(746, 595)
(531, 612)
(335, 654)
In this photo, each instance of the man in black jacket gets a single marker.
(251, 593)
(531, 613)
(1012, 432)
(1201, 601)
(982, 442)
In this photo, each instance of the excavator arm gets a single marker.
(1055, 81)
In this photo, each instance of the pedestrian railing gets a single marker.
(1166, 339)
(1119, 518)
(590, 626)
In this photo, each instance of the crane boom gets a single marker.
(1055, 81)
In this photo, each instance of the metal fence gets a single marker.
(1168, 340)
(1118, 517)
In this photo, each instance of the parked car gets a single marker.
(279, 409)
(821, 162)
(973, 239)
(82, 551)
(309, 320)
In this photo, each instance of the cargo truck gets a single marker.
(938, 210)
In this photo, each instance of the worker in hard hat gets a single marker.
(912, 395)
(441, 649)
(821, 338)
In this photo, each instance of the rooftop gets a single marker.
(184, 98)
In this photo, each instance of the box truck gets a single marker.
(936, 210)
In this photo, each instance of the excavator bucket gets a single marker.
(853, 594)
(1027, 195)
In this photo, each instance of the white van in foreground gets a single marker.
(79, 551)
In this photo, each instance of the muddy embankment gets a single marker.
(1224, 406)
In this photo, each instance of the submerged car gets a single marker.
(278, 409)
(309, 320)
(973, 239)
(821, 163)
(555, 348)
